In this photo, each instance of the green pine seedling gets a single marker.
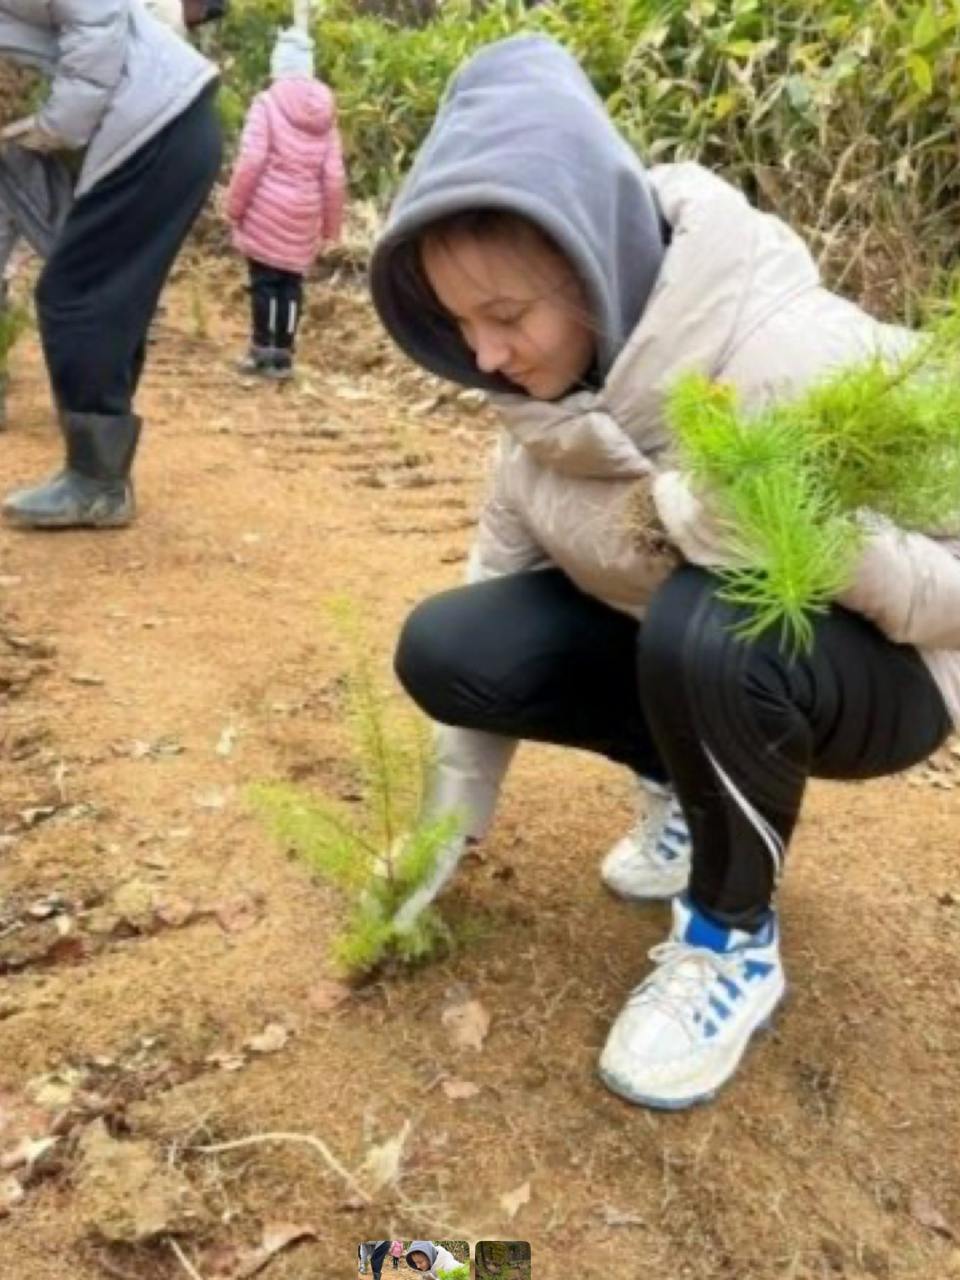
(378, 851)
(791, 482)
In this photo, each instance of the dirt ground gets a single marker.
(161, 956)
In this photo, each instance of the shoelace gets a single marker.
(680, 985)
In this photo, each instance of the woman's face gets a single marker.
(521, 309)
(420, 1261)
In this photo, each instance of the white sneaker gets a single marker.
(653, 859)
(684, 1029)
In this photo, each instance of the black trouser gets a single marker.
(100, 288)
(377, 1258)
(737, 727)
(276, 303)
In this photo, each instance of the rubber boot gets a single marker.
(94, 489)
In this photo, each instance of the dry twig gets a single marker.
(184, 1261)
(307, 1139)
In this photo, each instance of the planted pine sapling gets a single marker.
(797, 484)
(379, 851)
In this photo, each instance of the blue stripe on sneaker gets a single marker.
(701, 932)
(719, 1007)
(731, 988)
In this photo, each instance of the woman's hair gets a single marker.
(485, 226)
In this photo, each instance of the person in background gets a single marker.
(135, 104)
(36, 193)
(374, 1252)
(285, 199)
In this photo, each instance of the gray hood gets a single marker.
(422, 1246)
(522, 129)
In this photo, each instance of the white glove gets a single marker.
(448, 859)
(29, 134)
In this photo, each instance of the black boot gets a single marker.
(94, 489)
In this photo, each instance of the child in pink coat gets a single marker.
(285, 198)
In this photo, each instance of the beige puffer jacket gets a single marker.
(738, 298)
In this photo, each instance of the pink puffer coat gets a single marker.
(287, 190)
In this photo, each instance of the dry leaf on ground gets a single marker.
(235, 1265)
(381, 1166)
(237, 914)
(174, 912)
(620, 1218)
(270, 1040)
(11, 1193)
(923, 1211)
(512, 1201)
(457, 1089)
(328, 994)
(469, 1023)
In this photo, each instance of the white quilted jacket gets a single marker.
(740, 299)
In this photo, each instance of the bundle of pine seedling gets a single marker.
(798, 486)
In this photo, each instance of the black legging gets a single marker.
(737, 727)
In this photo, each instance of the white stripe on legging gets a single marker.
(775, 845)
(273, 318)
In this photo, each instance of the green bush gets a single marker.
(841, 115)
